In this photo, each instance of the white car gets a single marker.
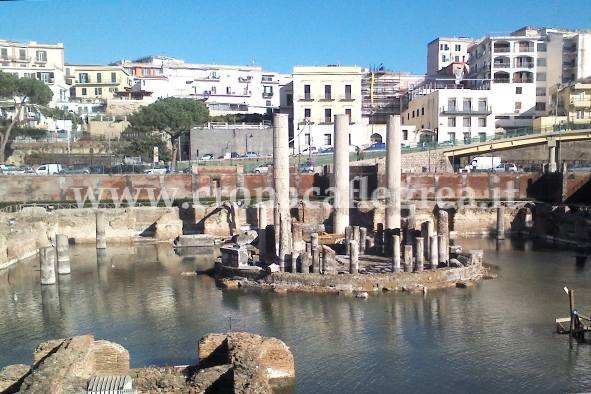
(208, 156)
(506, 167)
(262, 169)
(160, 170)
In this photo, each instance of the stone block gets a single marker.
(234, 256)
(196, 240)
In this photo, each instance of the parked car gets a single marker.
(506, 167)
(97, 169)
(157, 170)
(376, 146)
(49, 169)
(306, 168)
(262, 169)
(309, 150)
(208, 156)
(252, 154)
(22, 170)
(75, 169)
(330, 149)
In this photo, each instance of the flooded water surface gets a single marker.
(498, 336)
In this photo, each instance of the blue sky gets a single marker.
(274, 34)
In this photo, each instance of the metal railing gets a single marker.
(14, 208)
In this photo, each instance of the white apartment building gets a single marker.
(224, 89)
(320, 93)
(38, 61)
(443, 51)
(450, 115)
(522, 66)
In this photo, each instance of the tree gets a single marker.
(144, 147)
(174, 116)
(23, 92)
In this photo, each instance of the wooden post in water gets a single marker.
(396, 253)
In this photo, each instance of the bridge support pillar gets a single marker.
(551, 155)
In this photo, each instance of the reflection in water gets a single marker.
(497, 336)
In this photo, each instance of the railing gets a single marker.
(502, 49)
(523, 80)
(267, 94)
(501, 80)
(325, 97)
(526, 49)
(501, 65)
(305, 97)
(348, 97)
(14, 208)
(486, 110)
(524, 65)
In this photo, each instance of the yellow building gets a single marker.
(572, 100)
(320, 93)
(89, 82)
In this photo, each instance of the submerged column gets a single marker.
(63, 254)
(101, 234)
(434, 258)
(407, 258)
(262, 232)
(396, 253)
(443, 235)
(362, 237)
(47, 262)
(341, 173)
(393, 171)
(419, 253)
(354, 258)
(281, 184)
(501, 222)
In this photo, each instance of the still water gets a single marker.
(498, 336)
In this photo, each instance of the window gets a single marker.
(41, 56)
(98, 91)
(541, 47)
(228, 90)
(456, 58)
(145, 71)
(113, 77)
(580, 114)
(444, 58)
(541, 62)
(444, 47)
(99, 77)
(327, 92)
(289, 99)
(327, 115)
(327, 139)
(213, 90)
(451, 121)
(466, 122)
(46, 77)
(467, 105)
(83, 78)
(348, 112)
(581, 96)
(307, 113)
(4, 53)
(518, 105)
(481, 122)
(518, 90)
(451, 105)
(83, 91)
(307, 95)
(67, 71)
(541, 76)
(413, 113)
(482, 105)
(458, 47)
(451, 137)
(22, 54)
(540, 92)
(268, 103)
(405, 134)
(347, 92)
(540, 106)
(268, 89)
(423, 111)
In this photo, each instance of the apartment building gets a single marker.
(224, 89)
(450, 115)
(320, 93)
(443, 51)
(96, 82)
(44, 62)
(522, 66)
(572, 100)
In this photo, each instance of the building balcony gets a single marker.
(326, 97)
(467, 111)
(209, 78)
(523, 80)
(347, 97)
(581, 103)
(21, 60)
(91, 81)
(268, 80)
(502, 49)
(246, 79)
(524, 65)
(525, 49)
(501, 80)
(305, 97)
(501, 65)
(267, 95)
